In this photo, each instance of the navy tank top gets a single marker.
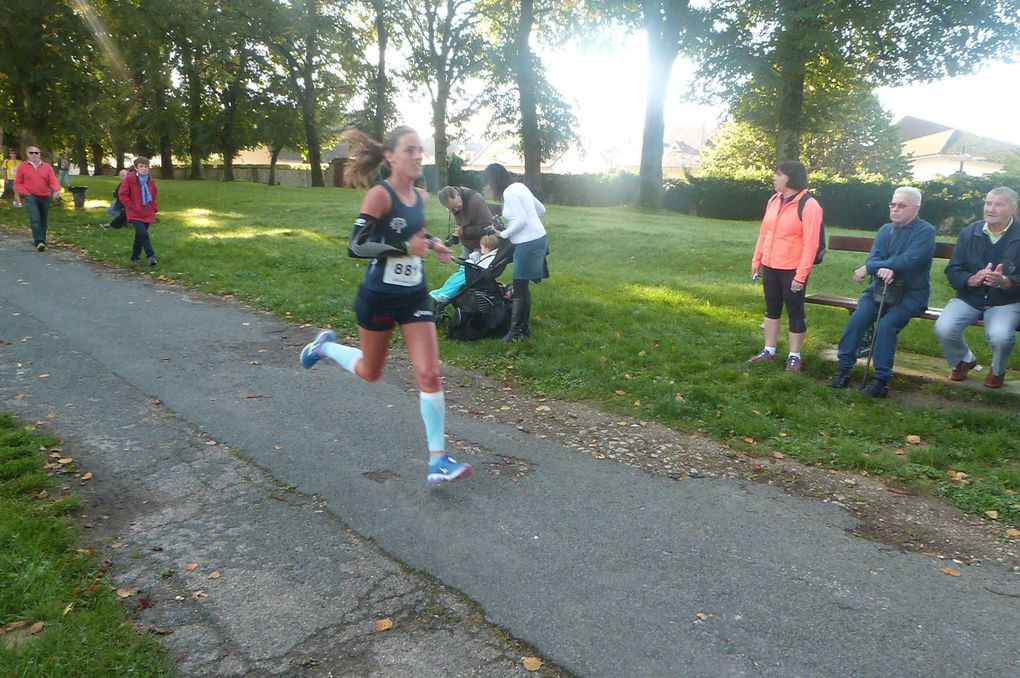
(397, 274)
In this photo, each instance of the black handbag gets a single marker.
(888, 295)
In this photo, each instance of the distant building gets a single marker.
(940, 150)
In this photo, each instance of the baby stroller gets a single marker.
(482, 307)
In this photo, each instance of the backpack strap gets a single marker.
(800, 204)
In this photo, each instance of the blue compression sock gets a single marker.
(433, 413)
(347, 357)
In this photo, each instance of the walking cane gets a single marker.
(874, 328)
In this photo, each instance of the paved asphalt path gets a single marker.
(606, 570)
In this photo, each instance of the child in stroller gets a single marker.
(456, 282)
(481, 306)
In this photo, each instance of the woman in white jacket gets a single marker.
(524, 228)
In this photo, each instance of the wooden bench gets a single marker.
(856, 243)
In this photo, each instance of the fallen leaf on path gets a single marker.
(543, 408)
(900, 490)
(993, 514)
(42, 494)
(913, 440)
(214, 575)
(779, 455)
(36, 627)
(126, 593)
(383, 624)
(620, 392)
(900, 452)
(13, 626)
(87, 475)
(703, 616)
(950, 571)
(64, 460)
(531, 663)
(191, 567)
(1013, 532)
(200, 593)
(116, 545)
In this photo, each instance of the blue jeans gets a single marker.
(38, 216)
(64, 178)
(141, 240)
(883, 348)
(1000, 331)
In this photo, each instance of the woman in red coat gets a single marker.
(138, 193)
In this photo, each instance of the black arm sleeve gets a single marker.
(360, 247)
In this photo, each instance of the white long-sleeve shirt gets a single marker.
(521, 212)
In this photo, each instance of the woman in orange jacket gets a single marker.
(783, 256)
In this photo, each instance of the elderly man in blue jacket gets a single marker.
(985, 272)
(900, 254)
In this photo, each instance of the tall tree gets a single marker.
(447, 49)
(316, 47)
(858, 140)
(769, 57)
(670, 27)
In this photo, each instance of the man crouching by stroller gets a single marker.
(901, 255)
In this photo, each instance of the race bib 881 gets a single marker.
(403, 271)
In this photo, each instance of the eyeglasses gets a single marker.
(900, 205)
(34, 152)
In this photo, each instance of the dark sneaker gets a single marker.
(136, 262)
(840, 380)
(152, 261)
(763, 357)
(444, 468)
(959, 372)
(40, 247)
(793, 364)
(876, 389)
(995, 380)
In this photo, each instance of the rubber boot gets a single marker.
(518, 320)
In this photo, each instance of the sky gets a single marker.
(608, 90)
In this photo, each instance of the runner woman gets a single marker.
(391, 232)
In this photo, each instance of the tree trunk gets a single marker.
(80, 158)
(274, 154)
(381, 81)
(791, 108)
(439, 130)
(194, 94)
(166, 162)
(662, 51)
(791, 56)
(310, 100)
(531, 142)
(97, 158)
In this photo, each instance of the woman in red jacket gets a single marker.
(138, 193)
(783, 256)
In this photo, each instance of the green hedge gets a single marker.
(949, 203)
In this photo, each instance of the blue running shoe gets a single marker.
(310, 354)
(443, 468)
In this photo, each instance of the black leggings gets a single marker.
(776, 285)
(521, 289)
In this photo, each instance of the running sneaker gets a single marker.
(793, 364)
(763, 357)
(443, 468)
(311, 354)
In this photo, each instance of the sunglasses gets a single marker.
(34, 152)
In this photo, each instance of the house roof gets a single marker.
(912, 128)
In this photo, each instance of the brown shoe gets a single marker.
(959, 372)
(995, 380)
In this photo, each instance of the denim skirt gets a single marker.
(529, 259)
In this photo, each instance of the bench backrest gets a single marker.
(857, 243)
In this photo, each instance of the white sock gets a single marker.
(347, 357)
(771, 349)
(794, 355)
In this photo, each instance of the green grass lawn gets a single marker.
(652, 315)
(46, 580)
